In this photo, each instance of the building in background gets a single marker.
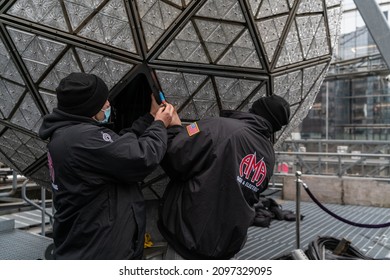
(354, 100)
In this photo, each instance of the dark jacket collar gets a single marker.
(58, 119)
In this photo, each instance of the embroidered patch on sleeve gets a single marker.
(192, 129)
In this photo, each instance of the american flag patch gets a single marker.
(192, 129)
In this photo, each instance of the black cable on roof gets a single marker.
(341, 218)
(323, 248)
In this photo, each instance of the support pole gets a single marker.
(43, 214)
(298, 174)
(377, 26)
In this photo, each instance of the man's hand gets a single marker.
(165, 114)
(154, 106)
(175, 119)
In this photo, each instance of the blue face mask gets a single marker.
(107, 114)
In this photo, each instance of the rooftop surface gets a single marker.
(280, 238)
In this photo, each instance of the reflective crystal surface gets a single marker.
(207, 56)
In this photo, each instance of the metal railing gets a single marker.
(331, 157)
(23, 188)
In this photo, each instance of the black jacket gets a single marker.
(100, 211)
(216, 176)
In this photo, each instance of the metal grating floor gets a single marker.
(280, 238)
(20, 245)
(17, 244)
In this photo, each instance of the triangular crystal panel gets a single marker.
(205, 100)
(242, 53)
(291, 50)
(28, 115)
(271, 31)
(111, 26)
(185, 47)
(222, 10)
(272, 8)
(37, 52)
(289, 86)
(109, 70)
(63, 68)
(233, 91)
(47, 12)
(156, 17)
(307, 29)
(260, 93)
(334, 21)
(310, 6)
(77, 13)
(7, 66)
(174, 87)
(10, 94)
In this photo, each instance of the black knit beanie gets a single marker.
(274, 109)
(81, 94)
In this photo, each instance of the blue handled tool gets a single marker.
(162, 98)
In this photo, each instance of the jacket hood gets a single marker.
(261, 123)
(58, 119)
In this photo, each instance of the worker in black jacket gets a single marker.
(217, 169)
(100, 211)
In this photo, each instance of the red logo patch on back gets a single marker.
(252, 172)
(192, 129)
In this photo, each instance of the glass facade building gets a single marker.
(354, 101)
